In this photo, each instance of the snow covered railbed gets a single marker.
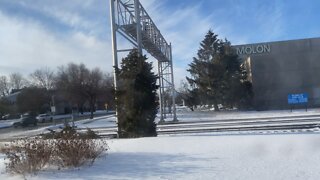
(284, 123)
(204, 115)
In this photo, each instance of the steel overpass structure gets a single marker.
(130, 20)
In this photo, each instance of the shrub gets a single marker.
(91, 134)
(27, 155)
(77, 151)
(69, 132)
(68, 149)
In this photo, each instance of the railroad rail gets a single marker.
(283, 124)
(261, 125)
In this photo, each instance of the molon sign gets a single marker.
(253, 49)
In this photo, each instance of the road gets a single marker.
(10, 132)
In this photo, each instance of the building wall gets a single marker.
(287, 67)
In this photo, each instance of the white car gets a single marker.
(44, 118)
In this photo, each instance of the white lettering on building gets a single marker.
(254, 49)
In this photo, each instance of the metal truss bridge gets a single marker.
(130, 20)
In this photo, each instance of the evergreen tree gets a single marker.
(137, 100)
(206, 72)
(232, 75)
(245, 91)
(217, 75)
(237, 90)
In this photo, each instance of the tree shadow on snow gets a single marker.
(133, 166)
(139, 165)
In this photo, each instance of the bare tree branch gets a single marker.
(43, 78)
(17, 81)
(4, 86)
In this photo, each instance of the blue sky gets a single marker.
(50, 33)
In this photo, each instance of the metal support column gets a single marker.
(114, 55)
(173, 93)
(160, 95)
(138, 25)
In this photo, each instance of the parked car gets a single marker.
(44, 117)
(10, 116)
(25, 121)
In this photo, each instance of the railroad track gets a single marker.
(282, 124)
(239, 130)
(271, 125)
(110, 132)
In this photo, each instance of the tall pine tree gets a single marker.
(137, 99)
(216, 73)
(205, 70)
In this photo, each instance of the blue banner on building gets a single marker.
(297, 98)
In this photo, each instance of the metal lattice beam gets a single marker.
(130, 19)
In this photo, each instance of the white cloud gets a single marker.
(26, 46)
(85, 15)
(270, 20)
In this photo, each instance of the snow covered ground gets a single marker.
(7, 123)
(262, 157)
(205, 156)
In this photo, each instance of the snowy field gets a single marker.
(206, 156)
(201, 157)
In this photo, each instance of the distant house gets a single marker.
(12, 98)
(58, 103)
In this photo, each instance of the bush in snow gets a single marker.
(74, 150)
(27, 156)
(70, 132)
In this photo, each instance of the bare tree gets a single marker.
(4, 86)
(17, 81)
(81, 85)
(43, 78)
(108, 93)
(93, 88)
(69, 80)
